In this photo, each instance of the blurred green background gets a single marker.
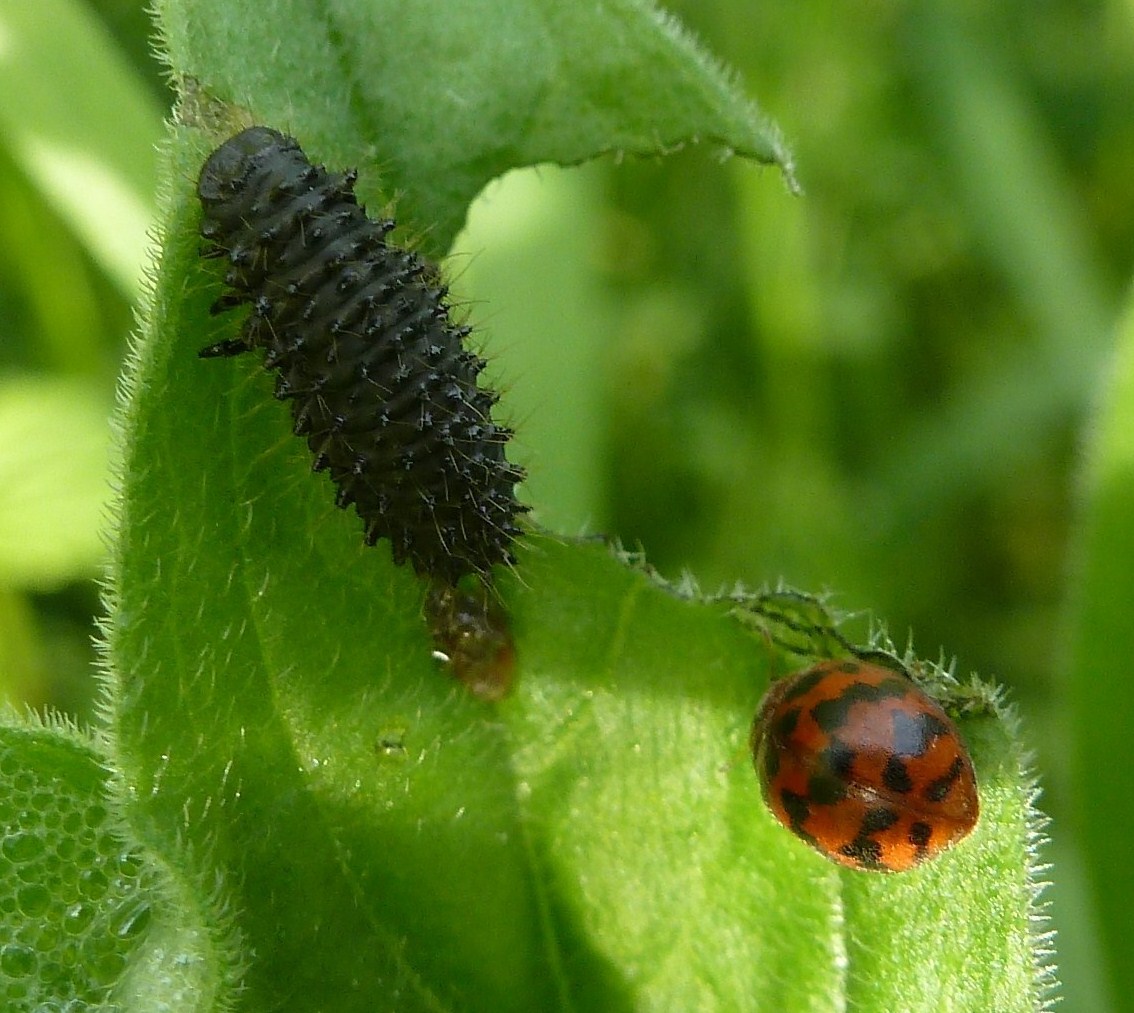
(881, 388)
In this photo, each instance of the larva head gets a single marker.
(229, 167)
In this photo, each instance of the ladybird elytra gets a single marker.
(857, 761)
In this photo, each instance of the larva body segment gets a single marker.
(360, 336)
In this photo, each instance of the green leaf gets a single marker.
(382, 839)
(444, 97)
(595, 841)
(84, 917)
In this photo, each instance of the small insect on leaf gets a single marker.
(473, 638)
(858, 762)
(359, 333)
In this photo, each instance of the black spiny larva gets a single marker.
(360, 335)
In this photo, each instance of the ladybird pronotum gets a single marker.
(858, 762)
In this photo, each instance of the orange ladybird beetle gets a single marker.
(854, 759)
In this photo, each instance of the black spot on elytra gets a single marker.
(797, 808)
(938, 789)
(920, 835)
(863, 852)
(913, 734)
(803, 684)
(830, 715)
(877, 819)
(771, 760)
(896, 777)
(823, 789)
(838, 758)
(784, 725)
